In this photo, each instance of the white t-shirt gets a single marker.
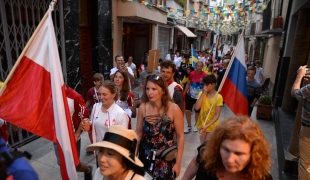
(168, 57)
(177, 61)
(113, 71)
(101, 121)
(202, 59)
(259, 73)
(99, 176)
(132, 66)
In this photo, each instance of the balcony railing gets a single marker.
(160, 2)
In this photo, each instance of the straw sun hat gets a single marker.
(120, 139)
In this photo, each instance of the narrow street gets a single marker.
(44, 160)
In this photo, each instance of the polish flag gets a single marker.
(234, 88)
(35, 98)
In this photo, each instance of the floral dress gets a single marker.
(157, 136)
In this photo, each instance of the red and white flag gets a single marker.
(35, 99)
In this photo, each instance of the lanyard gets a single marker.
(97, 99)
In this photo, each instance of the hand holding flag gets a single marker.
(234, 86)
(34, 98)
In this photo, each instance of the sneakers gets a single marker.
(195, 129)
(89, 175)
(188, 129)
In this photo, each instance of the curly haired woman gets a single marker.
(237, 149)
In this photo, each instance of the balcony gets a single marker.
(140, 12)
(160, 2)
(204, 2)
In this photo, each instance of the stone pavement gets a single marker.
(44, 161)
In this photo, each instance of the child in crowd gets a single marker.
(185, 78)
(209, 70)
(210, 104)
(254, 89)
(92, 98)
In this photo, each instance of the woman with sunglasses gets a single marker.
(158, 121)
(125, 95)
(106, 113)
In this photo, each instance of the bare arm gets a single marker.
(133, 111)
(88, 102)
(131, 77)
(139, 125)
(199, 101)
(300, 74)
(179, 127)
(191, 170)
(78, 132)
(187, 86)
(135, 72)
(253, 102)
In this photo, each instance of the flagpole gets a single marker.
(192, 51)
(53, 2)
(222, 82)
(229, 64)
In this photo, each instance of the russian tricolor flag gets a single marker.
(234, 86)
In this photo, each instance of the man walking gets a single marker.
(303, 94)
(220, 73)
(132, 66)
(120, 65)
(193, 87)
(168, 70)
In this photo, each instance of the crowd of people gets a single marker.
(231, 149)
(175, 88)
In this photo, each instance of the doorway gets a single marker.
(135, 41)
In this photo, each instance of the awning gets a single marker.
(186, 31)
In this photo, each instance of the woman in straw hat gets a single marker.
(116, 155)
(158, 121)
(237, 149)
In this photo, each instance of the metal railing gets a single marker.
(18, 20)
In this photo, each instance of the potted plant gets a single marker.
(264, 106)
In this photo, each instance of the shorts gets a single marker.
(189, 102)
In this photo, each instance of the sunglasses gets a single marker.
(154, 77)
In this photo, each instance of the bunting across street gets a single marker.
(228, 12)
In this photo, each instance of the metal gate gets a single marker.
(19, 19)
(163, 41)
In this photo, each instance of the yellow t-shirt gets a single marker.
(206, 69)
(184, 81)
(204, 110)
(1, 84)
